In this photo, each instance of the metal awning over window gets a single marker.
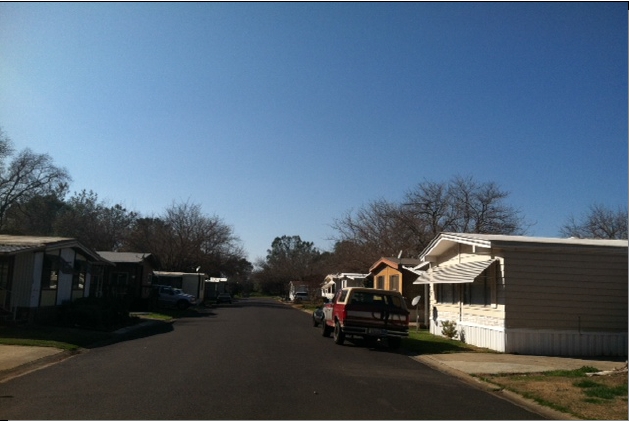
(454, 274)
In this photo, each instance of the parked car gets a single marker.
(224, 297)
(300, 296)
(318, 316)
(369, 313)
(169, 296)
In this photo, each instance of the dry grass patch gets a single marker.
(572, 392)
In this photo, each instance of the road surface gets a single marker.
(254, 359)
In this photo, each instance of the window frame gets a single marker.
(394, 282)
(51, 268)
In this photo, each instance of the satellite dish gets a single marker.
(416, 300)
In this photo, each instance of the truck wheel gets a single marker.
(325, 330)
(339, 336)
(394, 343)
(182, 304)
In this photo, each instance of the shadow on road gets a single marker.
(141, 331)
(252, 302)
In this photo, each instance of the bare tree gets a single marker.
(480, 208)
(461, 205)
(380, 228)
(464, 205)
(184, 238)
(599, 222)
(26, 176)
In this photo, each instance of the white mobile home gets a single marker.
(190, 283)
(529, 295)
(336, 281)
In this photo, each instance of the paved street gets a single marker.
(256, 359)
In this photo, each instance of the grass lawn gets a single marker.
(423, 342)
(571, 391)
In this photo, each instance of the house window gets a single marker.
(394, 282)
(120, 279)
(80, 272)
(446, 293)
(380, 282)
(50, 270)
(478, 292)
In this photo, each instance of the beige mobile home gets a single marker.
(529, 295)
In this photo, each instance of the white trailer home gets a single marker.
(336, 281)
(530, 295)
(190, 283)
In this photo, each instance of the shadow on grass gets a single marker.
(74, 338)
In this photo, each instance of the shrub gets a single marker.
(448, 329)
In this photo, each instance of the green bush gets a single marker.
(448, 329)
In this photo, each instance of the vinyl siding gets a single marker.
(566, 290)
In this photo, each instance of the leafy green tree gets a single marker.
(35, 216)
(290, 259)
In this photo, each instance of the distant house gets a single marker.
(530, 295)
(398, 274)
(336, 281)
(215, 286)
(129, 279)
(192, 283)
(38, 274)
(295, 287)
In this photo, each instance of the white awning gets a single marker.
(454, 274)
(328, 284)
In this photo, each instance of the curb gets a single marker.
(37, 364)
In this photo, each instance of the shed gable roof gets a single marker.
(394, 262)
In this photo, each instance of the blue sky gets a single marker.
(281, 117)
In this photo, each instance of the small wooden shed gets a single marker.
(398, 274)
(530, 295)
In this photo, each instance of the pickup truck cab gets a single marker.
(366, 312)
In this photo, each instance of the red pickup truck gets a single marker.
(371, 313)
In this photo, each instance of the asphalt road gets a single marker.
(256, 359)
